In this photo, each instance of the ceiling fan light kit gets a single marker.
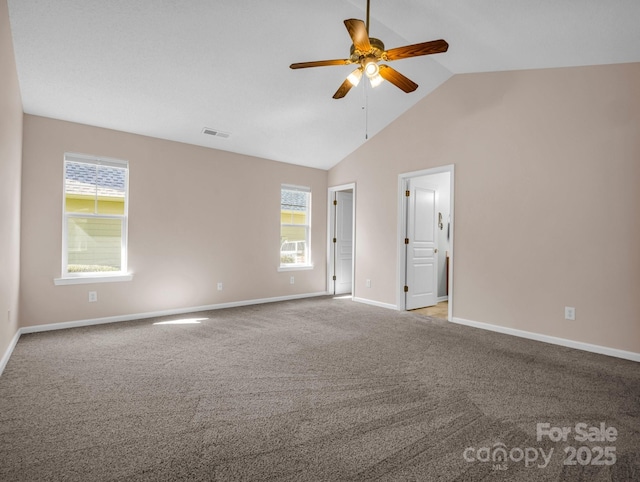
(371, 67)
(355, 77)
(375, 80)
(368, 52)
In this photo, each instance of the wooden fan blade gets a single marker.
(320, 63)
(358, 33)
(343, 89)
(397, 79)
(415, 50)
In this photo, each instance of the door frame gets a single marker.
(402, 226)
(331, 191)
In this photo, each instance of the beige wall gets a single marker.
(197, 217)
(547, 198)
(10, 171)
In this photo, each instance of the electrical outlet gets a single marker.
(368, 283)
(569, 313)
(219, 286)
(93, 296)
(292, 280)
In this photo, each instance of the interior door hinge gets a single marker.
(406, 289)
(335, 202)
(407, 193)
(406, 240)
(334, 277)
(335, 240)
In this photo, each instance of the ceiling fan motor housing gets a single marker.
(377, 50)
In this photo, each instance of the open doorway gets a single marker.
(425, 234)
(341, 242)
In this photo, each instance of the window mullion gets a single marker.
(96, 216)
(95, 194)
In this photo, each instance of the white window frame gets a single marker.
(94, 277)
(309, 263)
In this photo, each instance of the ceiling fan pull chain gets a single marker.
(365, 107)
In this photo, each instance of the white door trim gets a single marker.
(331, 191)
(402, 219)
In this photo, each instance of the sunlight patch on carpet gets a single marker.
(182, 321)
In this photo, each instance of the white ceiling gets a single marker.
(168, 69)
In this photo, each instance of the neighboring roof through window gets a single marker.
(80, 178)
(294, 200)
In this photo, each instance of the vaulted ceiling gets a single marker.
(168, 69)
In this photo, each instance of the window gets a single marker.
(295, 227)
(95, 217)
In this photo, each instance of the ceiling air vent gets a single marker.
(215, 133)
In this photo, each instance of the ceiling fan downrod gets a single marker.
(367, 24)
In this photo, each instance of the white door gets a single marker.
(421, 285)
(343, 246)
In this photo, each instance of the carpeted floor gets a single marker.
(315, 389)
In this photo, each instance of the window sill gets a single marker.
(81, 280)
(295, 268)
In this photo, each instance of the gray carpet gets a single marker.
(316, 389)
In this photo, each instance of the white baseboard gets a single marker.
(379, 304)
(443, 298)
(141, 316)
(155, 314)
(7, 354)
(578, 345)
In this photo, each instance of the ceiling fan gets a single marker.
(368, 51)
